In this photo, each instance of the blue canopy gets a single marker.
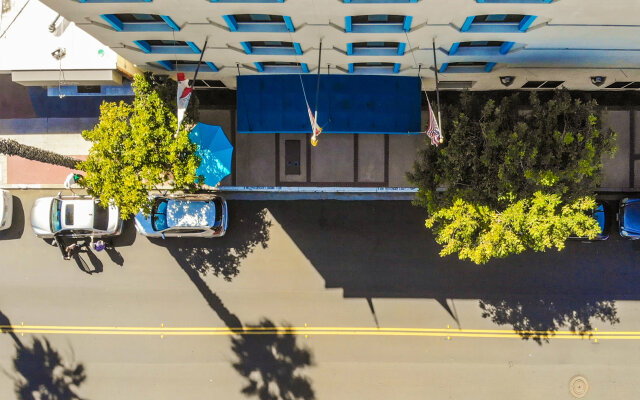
(215, 150)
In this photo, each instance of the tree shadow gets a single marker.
(272, 364)
(7, 327)
(539, 318)
(16, 229)
(221, 257)
(43, 374)
(381, 249)
(271, 361)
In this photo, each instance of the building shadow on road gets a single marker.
(222, 257)
(272, 362)
(40, 371)
(383, 250)
(16, 229)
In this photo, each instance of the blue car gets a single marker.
(599, 215)
(629, 218)
(185, 216)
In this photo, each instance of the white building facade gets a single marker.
(534, 43)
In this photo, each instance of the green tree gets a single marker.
(135, 149)
(511, 177)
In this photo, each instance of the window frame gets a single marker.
(205, 66)
(377, 27)
(153, 26)
(234, 26)
(353, 49)
(472, 26)
(465, 67)
(281, 69)
(385, 68)
(457, 49)
(250, 48)
(187, 48)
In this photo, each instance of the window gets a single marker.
(467, 67)
(184, 65)
(247, 1)
(281, 67)
(378, 1)
(140, 22)
(624, 85)
(378, 23)
(514, 1)
(271, 48)
(259, 23)
(114, 1)
(456, 84)
(89, 89)
(209, 84)
(498, 23)
(480, 47)
(167, 46)
(375, 49)
(184, 230)
(542, 84)
(374, 68)
(68, 214)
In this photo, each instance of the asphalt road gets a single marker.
(319, 299)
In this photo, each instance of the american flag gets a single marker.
(433, 130)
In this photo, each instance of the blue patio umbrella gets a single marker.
(215, 151)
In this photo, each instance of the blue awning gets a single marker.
(347, 104)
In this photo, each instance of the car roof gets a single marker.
(190, 213)
(77, 213)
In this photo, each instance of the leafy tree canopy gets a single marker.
(136, 148)
(511, 177)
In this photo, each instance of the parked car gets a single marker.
(6, 208)
(629, 218)
(75, 217)
(185, 215)
(600, 215)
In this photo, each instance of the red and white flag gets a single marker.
(184, 94)
(315, 128)
(433, 130)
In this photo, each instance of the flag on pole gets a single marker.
(184, 94)
(433, 130)
(315, 128)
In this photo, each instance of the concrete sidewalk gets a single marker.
(289, 161)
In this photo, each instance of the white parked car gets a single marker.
(75, 217)
(6, 209)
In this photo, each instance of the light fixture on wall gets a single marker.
(507, 80)
(598, 80)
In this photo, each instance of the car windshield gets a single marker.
(55, 215)
(100, 217)
(159, 217)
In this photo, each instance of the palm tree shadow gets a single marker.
(222, 257)
(539, 318)
(42, 373)
(272, 362)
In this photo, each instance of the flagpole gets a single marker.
(204, 48)
(435, 69)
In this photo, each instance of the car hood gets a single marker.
(41, 216)
(631, 221)
(144, 223)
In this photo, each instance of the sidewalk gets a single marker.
(282, 162)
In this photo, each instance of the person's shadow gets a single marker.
(96, 265)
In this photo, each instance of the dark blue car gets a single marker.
(629, 218)
(599, 215)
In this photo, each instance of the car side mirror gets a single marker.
(162, 234)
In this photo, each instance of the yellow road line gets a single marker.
(307, 330)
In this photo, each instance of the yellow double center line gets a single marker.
(310, 330)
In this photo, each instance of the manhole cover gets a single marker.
(578, 386)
